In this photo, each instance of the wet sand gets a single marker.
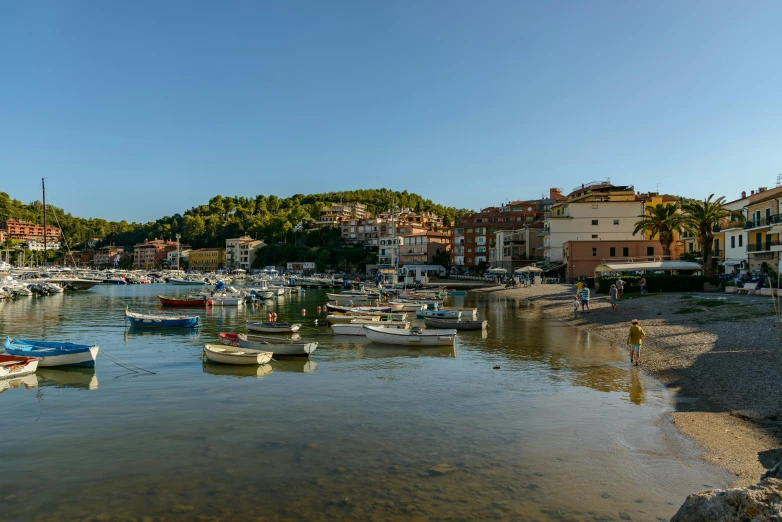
(722, 358)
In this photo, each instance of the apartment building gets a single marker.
(334, 214)
(474, 236)
(763, 226)
(151, 254)
(582, 257)
(515, 248)
(420, 248)
(108, 256)
(28, 231)
(733, 255)
(184, 254)
(207, 259)
(595, 211)
(240, 252)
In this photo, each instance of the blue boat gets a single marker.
(53, 353)
(162, 320)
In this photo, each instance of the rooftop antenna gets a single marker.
(608, 179)
(779, 180)
(658, 187)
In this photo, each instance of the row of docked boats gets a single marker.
(23, 357)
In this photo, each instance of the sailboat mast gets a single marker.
(43, 187)
(396, 250)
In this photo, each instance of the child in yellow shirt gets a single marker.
(635, 338)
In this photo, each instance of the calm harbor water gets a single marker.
(564, 430)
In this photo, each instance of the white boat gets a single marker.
(354, 298)
(456, 324)
(271, 327)
(186, 281)
(439, 314)
(411, 336)
(223, 354)
(227, 300)
(404, 306)
(356, 327)
(12, 366)
(276, 345)
(347, 318)
(467, 313)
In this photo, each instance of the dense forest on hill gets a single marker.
(270, 218)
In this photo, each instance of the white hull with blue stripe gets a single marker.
(53, 353)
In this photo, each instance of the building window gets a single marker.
(594, 222)
(691, 249)
(616, 222)
(594, 236)
(594, 252)
(626, 251)
(650, 251)
(612, 252)
(741, 240)
(733, 242)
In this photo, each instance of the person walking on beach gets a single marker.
(576, 301)
(579, 286)
(612, 297)
(620, 288)
(635, 338)
(585, 299)
(642, 282)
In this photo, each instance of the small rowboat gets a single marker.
(346, 318)
(53, 353)
(359, 308)
(271, 327)
(439, 314)
(412, 336)
(229, 355)
(276, 345)
(168, 300)
(15, 366)
(227, 300)
(355, 298)
(356, 327)
(455, 324)
(402, 306)
(162, 320)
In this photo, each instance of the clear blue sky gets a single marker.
(136, 110)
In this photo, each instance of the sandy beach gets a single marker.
(721, 355)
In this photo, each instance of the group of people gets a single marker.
(636, 334)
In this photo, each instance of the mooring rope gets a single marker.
(129, 366)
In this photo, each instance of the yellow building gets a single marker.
(764, 223)
(207, 259)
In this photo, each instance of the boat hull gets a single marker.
(173, 301)
(155, 321)
(237, 356)
(411, 337)
(175, 281)
(226, 301)
(344, 298)
(53, 353)
(357, 329)
(455, 324)
(267, 327)
(276, 346)
(439, 314)
(15, 366)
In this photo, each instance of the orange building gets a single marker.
(28, 231)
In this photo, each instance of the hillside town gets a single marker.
(567, 234)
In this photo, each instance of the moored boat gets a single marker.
(351, 298)
(199, 300)
(456, 324)
(53, 353)
(271, 327)
(162, 320)
(346, 318)
(186, 281)
(227, 300)
(223, 354)
(411, 336)
(356, 327)
(15, 366)
(406, 306)
(277, 345)
(441, 314)
(360, 308)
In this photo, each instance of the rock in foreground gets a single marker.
(759, 503)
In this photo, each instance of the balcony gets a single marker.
(513, 241)
(776, 219)
(764, 246)
(543, 232)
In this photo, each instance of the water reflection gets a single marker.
(383, 351)
(293, 364)
(69, 377)
(237, 371)
(26, 381)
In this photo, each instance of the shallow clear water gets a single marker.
(564, 430)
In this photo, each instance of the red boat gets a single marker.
(230, 339)
(168, 300)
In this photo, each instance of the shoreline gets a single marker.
(721, 359)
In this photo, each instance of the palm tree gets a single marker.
(662, 220)
(700, 219)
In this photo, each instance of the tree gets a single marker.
(701, 217)
(661, 220)
(442, 258)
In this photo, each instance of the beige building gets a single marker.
(207, 259)
(336, 213)
(763, 228)
(515, 248)
(419, 249)
(240, 252)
